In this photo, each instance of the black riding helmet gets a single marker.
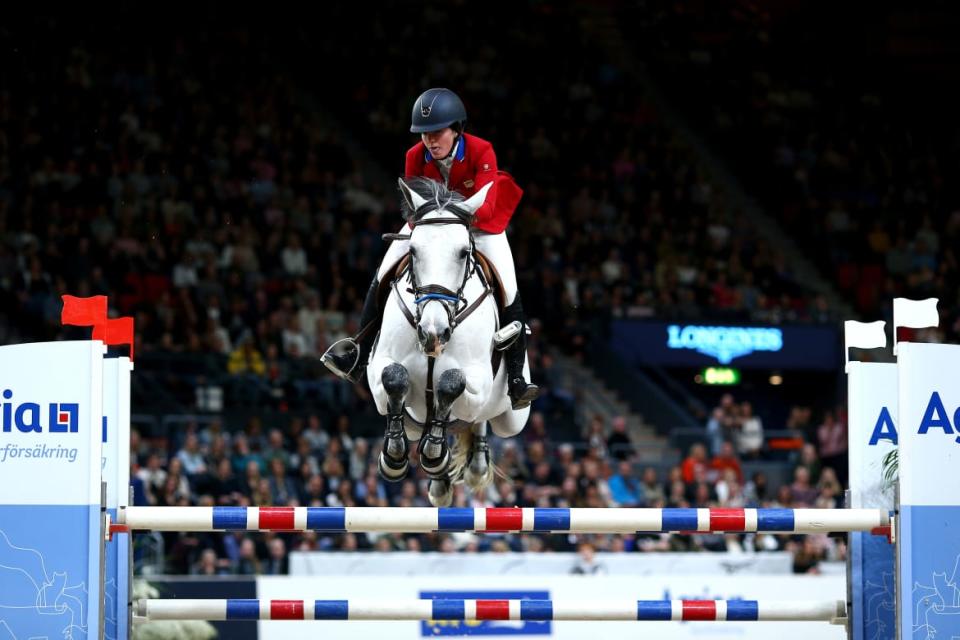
(437, 109)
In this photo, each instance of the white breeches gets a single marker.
(493, 245)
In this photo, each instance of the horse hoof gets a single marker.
(395, 446)
(392, 470)
(435, 467)
(440, 492)
(475, 475)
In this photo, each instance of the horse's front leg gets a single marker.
(393, 457)
(434, 453)
(473, 403)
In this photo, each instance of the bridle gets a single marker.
(454, 302)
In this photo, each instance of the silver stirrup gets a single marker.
(330, 365)
(507, 335)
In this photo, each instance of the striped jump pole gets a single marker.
(532, 520)
(472, 610)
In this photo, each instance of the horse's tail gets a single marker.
(460, 453)
(460, 467)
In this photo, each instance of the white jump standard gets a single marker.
(532, 520)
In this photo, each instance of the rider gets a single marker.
(464, 163)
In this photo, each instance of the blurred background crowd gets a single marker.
(228, 187)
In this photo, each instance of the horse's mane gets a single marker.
(437, 196)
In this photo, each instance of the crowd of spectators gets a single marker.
(846, 145)
(200, 186)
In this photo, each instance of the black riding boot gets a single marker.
(352, 364)
(522, 393)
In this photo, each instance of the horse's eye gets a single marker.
(464, 253)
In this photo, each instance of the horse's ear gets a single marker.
(412, 198)
(475, 201)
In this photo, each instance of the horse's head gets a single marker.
(441, 253)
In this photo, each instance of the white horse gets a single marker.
(431, 369)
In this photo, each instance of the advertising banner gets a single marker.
(928, 540)
(51, 419)
(565, 587)
(700, 344)
(872, 433)
(402, 563)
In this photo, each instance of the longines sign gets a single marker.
(705, 344)
(724, 343)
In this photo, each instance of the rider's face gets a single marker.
(439, 143)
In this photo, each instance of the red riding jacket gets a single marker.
(473, 167)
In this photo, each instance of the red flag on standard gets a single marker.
(115, 331)
(83, 312)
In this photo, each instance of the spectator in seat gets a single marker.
(587, 564)
(729, 490)
(727, 459)
(755, 491)
(804, 494)
(315, 434)
(191, 457)
(832, 440)
(694, 467)
(209, 565)
(282, 487)
(276, 564)
(715, 428)
(224, 484)
(651, 489)
(807, 558)
(153, 476)
(619, 444)
(750, 439)
(625, 489)
(249, 563)
(810, 460)
(246, 359)
(830, 491)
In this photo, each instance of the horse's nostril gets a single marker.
(446, 335)
(421, 334)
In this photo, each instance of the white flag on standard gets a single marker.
(863, 335)
(916, 314)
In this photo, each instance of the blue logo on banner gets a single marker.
(724, 343)
(936, 417)
(27, 417)
(432, 628)
(884, 429)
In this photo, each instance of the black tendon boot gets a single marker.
(522, 393)
(352, 364)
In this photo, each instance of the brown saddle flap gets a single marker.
(490, 273)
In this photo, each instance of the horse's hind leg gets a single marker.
(434, 453)
(510, 422)
(393, 457)
(479, 471)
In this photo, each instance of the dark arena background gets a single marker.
(709, 190)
